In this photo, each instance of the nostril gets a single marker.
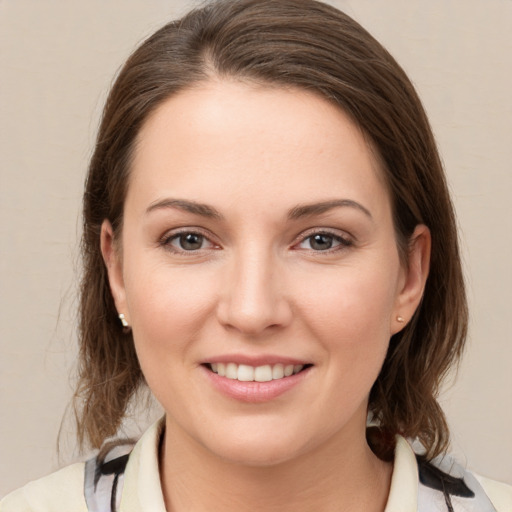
(256, 319)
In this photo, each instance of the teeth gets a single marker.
(246, 373)
(278, 371)
(231, 371)
(263, 373)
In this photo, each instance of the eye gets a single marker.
(187, 241)
(323, 242)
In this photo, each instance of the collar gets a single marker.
(403, 493)
(142, 489)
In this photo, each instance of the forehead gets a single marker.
(226, 137)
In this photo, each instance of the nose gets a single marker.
(254, 298)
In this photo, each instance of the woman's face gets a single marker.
(258, 240)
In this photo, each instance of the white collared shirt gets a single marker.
(142, 492)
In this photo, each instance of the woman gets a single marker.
(269, 244)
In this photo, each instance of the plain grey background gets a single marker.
(57, 60)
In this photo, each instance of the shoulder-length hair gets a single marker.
(285, 43)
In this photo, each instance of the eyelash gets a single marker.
(343, 242)
(167, 239)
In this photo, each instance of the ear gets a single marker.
(413, 279)
(113, 262)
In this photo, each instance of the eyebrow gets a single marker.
(307, 210)
(189, 206)
(303, 210)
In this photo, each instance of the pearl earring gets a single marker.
(400, 319)
(123, 320)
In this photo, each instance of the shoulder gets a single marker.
(499, 493)
(442, 485)
(63, 490)
(96, 483)
(92, 485)
(446, 482)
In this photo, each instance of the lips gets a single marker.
(249, 373)
(255, 380)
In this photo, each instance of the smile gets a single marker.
(247, 373)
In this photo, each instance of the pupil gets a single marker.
(191, 241)
(321, 242)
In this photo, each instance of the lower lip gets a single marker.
(255, 392)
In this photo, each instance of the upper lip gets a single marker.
(260, 360)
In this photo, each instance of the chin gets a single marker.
(252, 454)
(259, 447)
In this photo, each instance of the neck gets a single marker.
(343, 475)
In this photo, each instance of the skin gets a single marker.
(258, 285)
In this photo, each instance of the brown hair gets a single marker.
(290, 43)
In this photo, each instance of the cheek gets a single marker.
(352, 302)
(168, 308)
(350, 315)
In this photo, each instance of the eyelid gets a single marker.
(168, 236)
(345, 239)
